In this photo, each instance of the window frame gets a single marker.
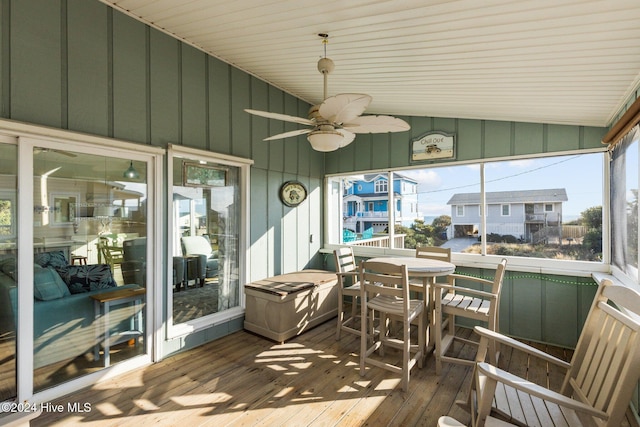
(29, 137)
(381, 186)
(629, 275)
(516, 263)
(244, 165)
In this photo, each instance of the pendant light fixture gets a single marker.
(131, 172)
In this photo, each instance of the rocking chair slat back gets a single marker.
(604, 365)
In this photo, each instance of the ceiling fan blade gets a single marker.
(288, 134)
(66, 153)
(345, 107)
(283, 117)
(38, 150)
(348, 137)
(376, 124)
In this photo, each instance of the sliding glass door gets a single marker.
(77, 259)
(89, 241)
(8, 270)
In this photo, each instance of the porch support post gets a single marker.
(391, 209)
(483, 213)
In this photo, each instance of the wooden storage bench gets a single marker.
(284, 306)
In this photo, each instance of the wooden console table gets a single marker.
(103, 302)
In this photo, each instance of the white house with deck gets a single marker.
(528, 215)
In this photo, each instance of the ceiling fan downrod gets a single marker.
(325, 65)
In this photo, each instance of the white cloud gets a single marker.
(524, 163)
(428, 179)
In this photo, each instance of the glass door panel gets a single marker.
(8, 270)
(205, 213)
(89, 240)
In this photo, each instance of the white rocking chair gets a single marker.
(599, 381)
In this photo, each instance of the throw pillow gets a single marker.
(8, 267)
(48, 285)
(86, 278)
(55, 259)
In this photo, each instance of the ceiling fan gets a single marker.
(335, 123)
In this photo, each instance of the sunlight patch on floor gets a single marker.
(284, 392)
(388, 384)
(137, 380)
(277, 367)
(301, 366)
(299, 351)
(347, 389)
(145, 405)
(328, 356)
(201, 399)
(282, 359)
(108, 409)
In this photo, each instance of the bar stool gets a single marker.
(82, 260)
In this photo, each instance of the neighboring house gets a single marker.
(366, 202)
(529, 215)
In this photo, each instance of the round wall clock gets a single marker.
(292, 193)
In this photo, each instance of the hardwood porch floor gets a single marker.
(244, 379)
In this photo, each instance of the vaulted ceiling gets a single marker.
(551, 61)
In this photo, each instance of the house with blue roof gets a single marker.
(366, 202)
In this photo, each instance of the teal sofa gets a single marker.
(64, 314)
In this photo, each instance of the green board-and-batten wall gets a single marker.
(475, 140)
(78, 65)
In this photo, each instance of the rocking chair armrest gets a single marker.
(504, 377)
(471, 291)
(503, 339)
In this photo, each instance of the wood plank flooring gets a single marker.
(246, 380)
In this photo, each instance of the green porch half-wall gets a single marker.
(536, 307)
(79, 65)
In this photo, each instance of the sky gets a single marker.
(581, 175)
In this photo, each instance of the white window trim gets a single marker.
(523, 264)
(502, 206)
(182, 329)
(31, 135)
(381, 186)
(458, 214)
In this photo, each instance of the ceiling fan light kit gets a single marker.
(337, 119)
(329, 140)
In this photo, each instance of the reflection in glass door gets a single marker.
(8, 270)
(206, 215)
(89, 241)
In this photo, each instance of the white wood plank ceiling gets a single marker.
(550, 61)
